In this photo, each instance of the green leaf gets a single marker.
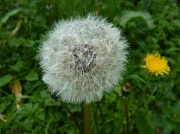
(9, 14)
(31, 76)
(16, 42)
(137, 78)
(5, 79)
(112, 98)
(16, 67)
(129, 15)
(176, 23)
(143, 125)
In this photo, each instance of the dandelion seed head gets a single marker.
(82, 58)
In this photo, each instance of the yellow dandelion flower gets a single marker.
(156, 64)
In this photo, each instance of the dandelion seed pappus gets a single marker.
(83, 58)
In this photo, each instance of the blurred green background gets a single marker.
(149, 25)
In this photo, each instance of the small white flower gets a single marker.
(83, 58)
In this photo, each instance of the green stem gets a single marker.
(87, 118)
(146, 87)
(127, 116)
(72, 115)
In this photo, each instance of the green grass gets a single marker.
(149, 25)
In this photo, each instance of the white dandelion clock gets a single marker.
(83, 58)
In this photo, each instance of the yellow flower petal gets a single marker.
(156, 64)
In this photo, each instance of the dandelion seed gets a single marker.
(83, 58)
(156, 64)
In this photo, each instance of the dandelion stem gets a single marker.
(146, 87)
(87, 118)
(127, 117)
(72, 116)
